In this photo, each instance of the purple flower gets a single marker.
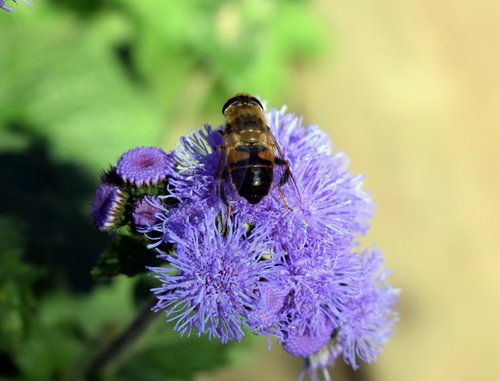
(2, 5)
(296, 141)
(330, 204)
(144, 166)
(146, 213)
(370, 315)
(294, 274)
(306, 343)
(213, 278)
(270, 310)
(322, 282)
(107, 206)
(367, 320)
(319, 289)
(196, 159)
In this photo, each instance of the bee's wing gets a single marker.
(280, 155)
(220, 172)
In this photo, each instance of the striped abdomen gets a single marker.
(251, 168)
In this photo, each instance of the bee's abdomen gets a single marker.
(252, 176)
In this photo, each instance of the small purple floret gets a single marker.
(370, 315)
(307, 344)
(269, 312)
(144, 166)
(106, 206)
(145, 213)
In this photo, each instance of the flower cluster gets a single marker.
(294, 272)
(128, 193)
(5, 8)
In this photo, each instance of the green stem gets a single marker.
(116, 347)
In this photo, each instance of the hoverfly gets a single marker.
(249, 152)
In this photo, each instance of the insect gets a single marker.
(249, 151)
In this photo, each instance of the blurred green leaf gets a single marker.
(179, 360)
(16, 299)
(198, 50)
(66, 81)
(69, 330)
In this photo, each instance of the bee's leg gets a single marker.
(228, 212)
(284, 179)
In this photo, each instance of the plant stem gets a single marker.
(117, 346)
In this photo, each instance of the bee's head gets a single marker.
(241, 99)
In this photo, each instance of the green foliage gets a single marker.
(16, 297)
(66, 84)
(220, 48)
(181, 359)
(69, 329)
(125, 254)
(83, 81)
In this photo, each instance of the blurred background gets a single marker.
(409, 90)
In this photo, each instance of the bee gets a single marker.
(249, 152)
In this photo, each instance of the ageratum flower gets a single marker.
(108, 206)
(329, 205)
(144, 166)
(367, 319)
(145, 213)
(304, 343)
(370, 314)
(297, 275)
(321, 282)
(213, 278)
(2, 5)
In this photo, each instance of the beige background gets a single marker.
(411, 91)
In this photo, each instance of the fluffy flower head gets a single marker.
(213, 278)
(315, 296)
(294, 272)
(370, 316)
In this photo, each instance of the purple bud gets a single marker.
(266, 316)
(306, 344)
(144, 166)
(107, 206)
(145, 213)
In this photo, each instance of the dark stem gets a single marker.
(116, 347)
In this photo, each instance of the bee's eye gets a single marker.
(255, 100)
(242, 99)
(229, 102)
